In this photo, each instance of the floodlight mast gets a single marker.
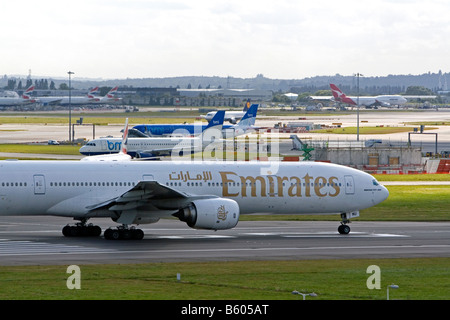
(70, 106)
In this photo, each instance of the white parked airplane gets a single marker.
(110, 97)
(25, 99)
(122, 155)
(230, 116)
(367, 101)
(205, 195)
(151, 147)
(90, 98)
(245, 125)
(382, 100)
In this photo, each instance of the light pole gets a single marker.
(393, 286)
(357, 106)
(70, 106)
(312, 294)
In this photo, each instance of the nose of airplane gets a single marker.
(382, 195)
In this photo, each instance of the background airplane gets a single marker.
(152, 147)
(17, 100)
(110, 97)
(107, 99)
(121, 156)
(75, 100)
(372, 101)
(366, 101)
(245, 125)
(230, 116)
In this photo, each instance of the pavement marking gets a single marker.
(19, 247)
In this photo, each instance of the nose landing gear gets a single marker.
(344, 228)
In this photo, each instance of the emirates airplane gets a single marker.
(205, 195)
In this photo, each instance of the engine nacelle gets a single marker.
(211, 214)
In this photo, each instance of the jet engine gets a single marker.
(211, 214)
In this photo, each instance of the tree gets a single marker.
(63, 86)
(418, 91)
(11, 84)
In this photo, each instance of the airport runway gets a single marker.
(38, 241)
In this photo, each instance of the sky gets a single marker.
(282, 39)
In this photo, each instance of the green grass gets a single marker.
(418, 278)
(405, 203)
(42, 149)
(100, 120)
(413, 177)
(412, 203)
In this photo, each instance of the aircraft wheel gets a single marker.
(138, 234)
(126, 234)
(66, 231)
(94, 231)
(344, 229)
(107, 234)
(119, 234)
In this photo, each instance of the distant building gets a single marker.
(243, 94)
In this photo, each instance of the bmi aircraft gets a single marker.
(149, 147)
(248, 120)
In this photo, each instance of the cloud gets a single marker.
(282, 39)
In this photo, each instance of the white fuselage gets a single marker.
(231, 116)
(137, 145)
(76, 188)
(386, 100)
(6, 101)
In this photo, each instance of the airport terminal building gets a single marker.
(192, 97)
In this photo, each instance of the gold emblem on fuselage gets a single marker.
(222, 213)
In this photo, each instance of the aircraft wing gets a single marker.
(322, 98)
(160, 152)
(149, 193)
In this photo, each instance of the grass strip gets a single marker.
(417, 278)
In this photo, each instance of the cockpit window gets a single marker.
(375, 182)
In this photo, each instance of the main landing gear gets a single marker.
(124, 233)
(344, 228)
(82, 229)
